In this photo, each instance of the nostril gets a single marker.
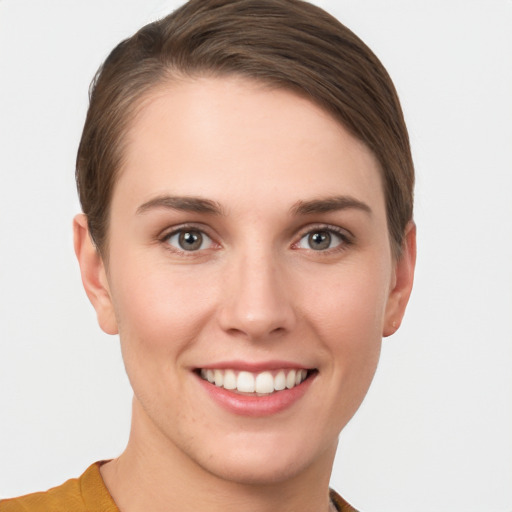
(256, 330)
(256, 304)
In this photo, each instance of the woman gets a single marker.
(246, 182)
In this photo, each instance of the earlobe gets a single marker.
(94, 277)
(402, 285)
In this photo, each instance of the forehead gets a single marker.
(234, 138)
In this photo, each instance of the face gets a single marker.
(250, 277)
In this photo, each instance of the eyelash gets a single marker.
(164, 239)
(346, 239)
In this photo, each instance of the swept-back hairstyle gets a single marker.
(286, 43)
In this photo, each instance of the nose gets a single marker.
(256, 301)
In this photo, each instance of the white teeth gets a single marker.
(245, 382)
(219, 377)
(300, 376)
(262, 383)
(229, 379)
(280, 381)
(290, 379)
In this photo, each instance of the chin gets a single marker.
(263, 461)
(260, 470)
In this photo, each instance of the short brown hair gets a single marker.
(288, 43)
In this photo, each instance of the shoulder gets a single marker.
(84, 494)
(64, 497)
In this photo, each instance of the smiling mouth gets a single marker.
(257, 384)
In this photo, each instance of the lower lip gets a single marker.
(252, 405)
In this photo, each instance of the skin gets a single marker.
(256, 291)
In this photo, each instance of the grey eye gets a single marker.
(320, 240)
(189, 240)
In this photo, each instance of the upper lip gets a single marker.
(254, 367)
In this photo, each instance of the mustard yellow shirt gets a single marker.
(89, 494)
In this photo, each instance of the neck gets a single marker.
(154, 474)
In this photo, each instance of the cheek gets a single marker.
(160, 311)
(348, 318)
(350, 302)
(161, 315)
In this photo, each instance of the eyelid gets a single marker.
(197, 226)
(322, 226)
(168, 232)
(346, 236)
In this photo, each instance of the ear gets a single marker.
(94, 276)
(402, 282)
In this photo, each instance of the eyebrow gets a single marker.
(200, 205)
(183, 203)
(329, 204)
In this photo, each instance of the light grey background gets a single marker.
(435, 432)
